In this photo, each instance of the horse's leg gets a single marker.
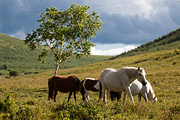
(124, 98)
(111, 97)
(50, 96)
(128, 91)
(70, 93)
(104, 96)
(75, 96)
(83, 94)
(119, 95)
(55, 95)
(87, 96)
(145, 97)
(126, 84)
(139, 97)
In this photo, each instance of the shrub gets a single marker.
(13, 73)
(5, 66)
(7, 108)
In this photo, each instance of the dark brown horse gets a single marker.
(63, 84)
(114, 94)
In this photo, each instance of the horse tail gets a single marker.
(78, 84)
(50, 96)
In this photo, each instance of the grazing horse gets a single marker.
(120, 79)
(92, 84)
(63, 84)
(89, 84)
(146, 92)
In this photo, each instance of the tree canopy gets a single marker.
(65, 33)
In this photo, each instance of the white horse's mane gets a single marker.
(150, 88)
(130, 67)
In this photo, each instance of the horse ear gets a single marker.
(145, 68)
(138, 68)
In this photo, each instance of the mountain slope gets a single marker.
(15, 55)
(166, 42)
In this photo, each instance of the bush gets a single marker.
(13, 73)
(7, 108)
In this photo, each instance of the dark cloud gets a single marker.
(174, 12)
(22, 15)
(134, 29)
(126, 30)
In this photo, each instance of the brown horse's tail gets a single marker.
(78, 84)
(50, 96)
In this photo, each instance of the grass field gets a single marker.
(25, 97)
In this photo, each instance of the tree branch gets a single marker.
(71, 51)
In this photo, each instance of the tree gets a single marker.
(65, 33)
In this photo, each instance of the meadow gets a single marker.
(25, 96)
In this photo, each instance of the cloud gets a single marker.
(19, 34)
(125, 21)
(111, 49)
(136, 22)
(173, 8)
(20, 2)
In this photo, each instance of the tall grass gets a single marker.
(25, 97)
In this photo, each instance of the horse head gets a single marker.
(141, 76)
(151, 95)
(155, 99)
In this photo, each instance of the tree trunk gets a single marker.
(56, 70)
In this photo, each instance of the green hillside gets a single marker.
(15, 55)
(166, 42)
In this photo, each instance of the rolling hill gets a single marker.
(166, 42)
(15, 55)
(25, 97)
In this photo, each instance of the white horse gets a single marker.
(120, 79)
(146, 92)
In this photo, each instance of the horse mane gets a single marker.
(130, 70)
(151, 89)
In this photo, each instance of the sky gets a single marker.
(126, 23)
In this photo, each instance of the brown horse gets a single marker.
(63, 84)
